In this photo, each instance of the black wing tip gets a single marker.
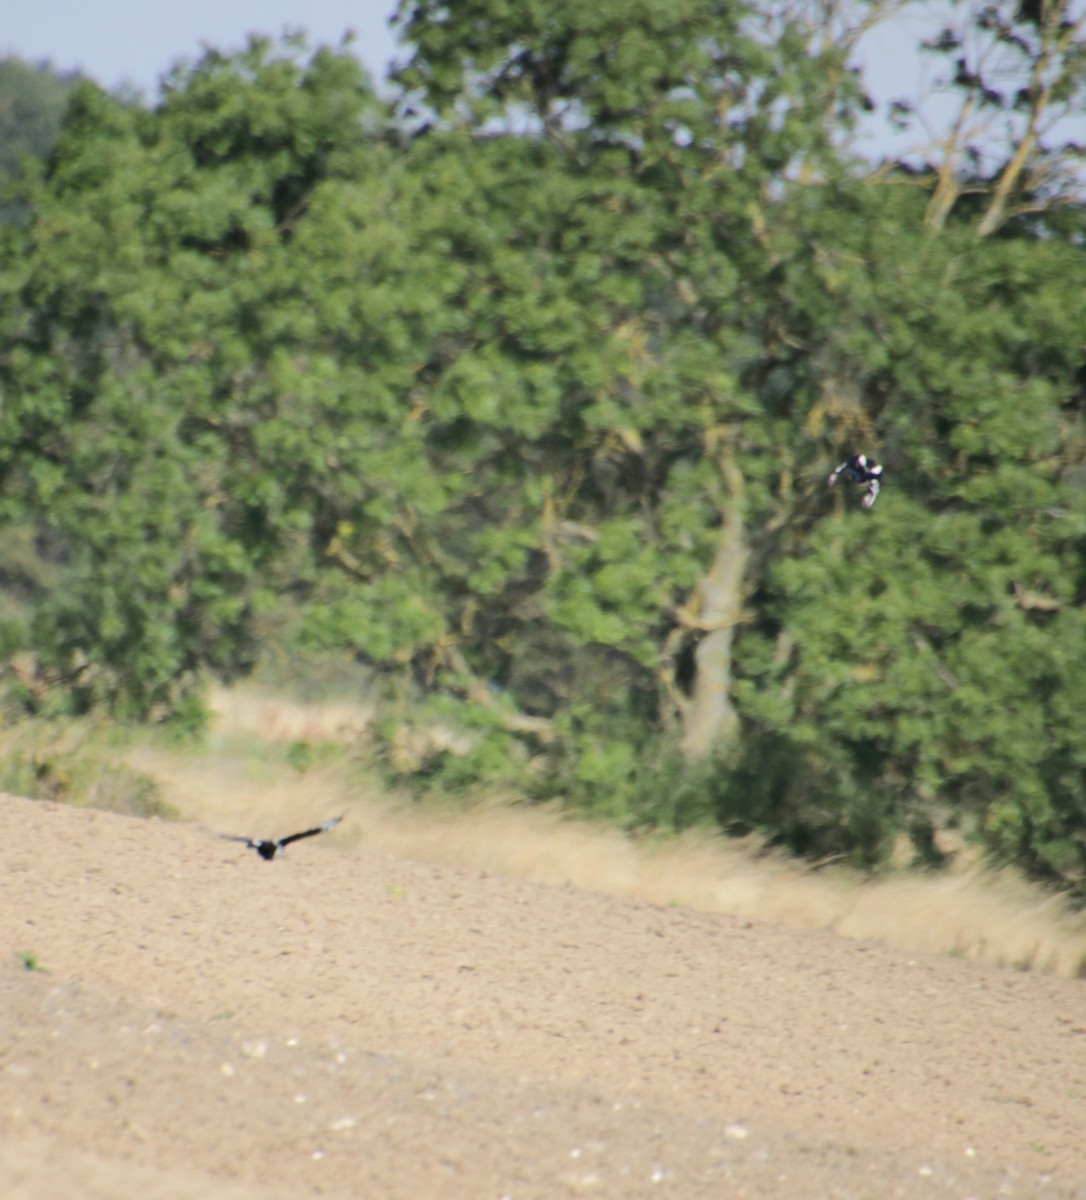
(324, 826)
(306, 833)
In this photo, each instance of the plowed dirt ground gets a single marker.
(341, 1022)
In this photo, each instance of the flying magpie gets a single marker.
(269, 849)
(860, 469)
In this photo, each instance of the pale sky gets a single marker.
(138, 41)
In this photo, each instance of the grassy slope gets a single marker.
(270, 765)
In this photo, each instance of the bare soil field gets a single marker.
(181, 1019)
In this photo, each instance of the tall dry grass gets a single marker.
(240, 783)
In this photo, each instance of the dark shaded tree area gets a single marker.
(524, 390)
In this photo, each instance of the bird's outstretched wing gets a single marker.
(252, 843)
(269, 848)
(295, 837)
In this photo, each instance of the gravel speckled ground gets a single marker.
(344, 1023)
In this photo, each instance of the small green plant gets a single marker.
(305, 756)
(30, 961)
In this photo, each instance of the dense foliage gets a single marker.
(525, 390)
(32, 99)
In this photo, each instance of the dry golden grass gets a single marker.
(274, 718)
(240, 783)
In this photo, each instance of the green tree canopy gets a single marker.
(148, 306)
(528, 394)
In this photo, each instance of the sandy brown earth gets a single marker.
(342, 1022)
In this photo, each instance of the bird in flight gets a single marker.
(271, 848)
(860, 469)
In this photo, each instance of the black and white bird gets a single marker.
(860, 469)
(272, 848)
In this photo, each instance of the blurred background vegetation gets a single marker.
(509, 402)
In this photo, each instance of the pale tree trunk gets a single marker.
(948, 188)
(1060, 36)
(709, 717)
